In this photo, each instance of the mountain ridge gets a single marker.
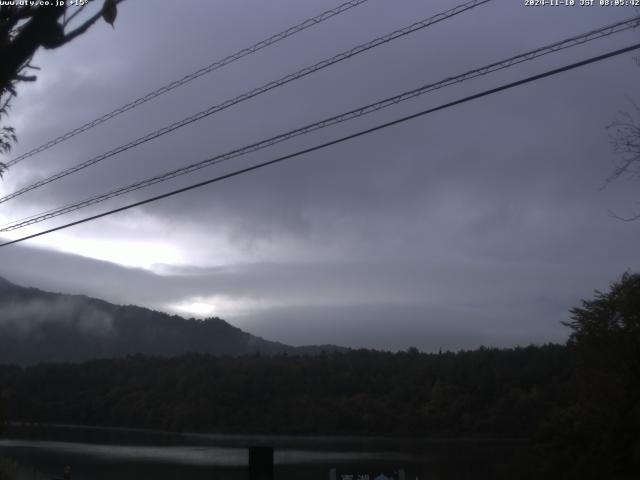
(38, 326)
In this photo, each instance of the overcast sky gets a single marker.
(479, 225)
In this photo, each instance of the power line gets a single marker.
(337, 141)
(365, 110)
(257, 91)
(192, 76)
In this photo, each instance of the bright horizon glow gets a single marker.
(198, 309)
(128, 253)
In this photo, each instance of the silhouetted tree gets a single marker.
(26, 28)
(607, 329)
(624, 133)
(625, 138)
(598, 434)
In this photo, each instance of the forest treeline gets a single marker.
(485, 392)
(531, 393)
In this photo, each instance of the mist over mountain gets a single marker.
(38, 326)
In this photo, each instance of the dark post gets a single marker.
(260, 463)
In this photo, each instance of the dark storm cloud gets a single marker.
(469, 226)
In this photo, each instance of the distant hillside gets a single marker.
(38, 326)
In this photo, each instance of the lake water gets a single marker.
(41, 452)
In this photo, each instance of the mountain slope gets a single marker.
(38, 326)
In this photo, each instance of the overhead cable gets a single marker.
(359, 112)
(335, 142)
(192, 76)
(252, 93)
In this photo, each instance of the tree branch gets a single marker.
(26, 78)
(72, 16)
(632, 218)
(18, 13)
(82, 28)
(41, 29)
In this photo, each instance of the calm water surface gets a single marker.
(132, 454)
